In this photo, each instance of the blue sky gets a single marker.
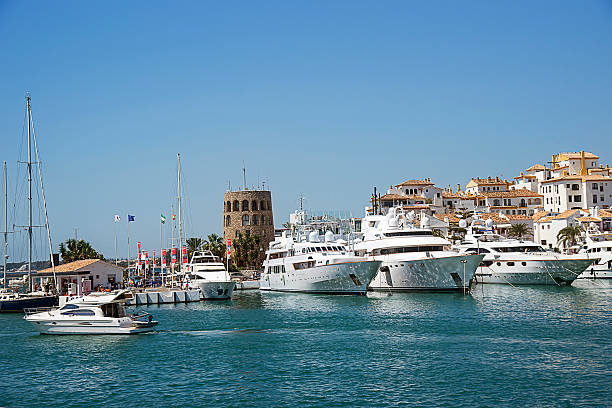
(321, 98)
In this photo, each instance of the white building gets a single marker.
(576, 192)
(414, 195)
(478, 186)
(90, 273)
(513, 202)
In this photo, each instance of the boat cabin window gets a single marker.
(479, 250)
(523, 249)
(399, 250)
(79, 312)
(69, 306)
(408, 233)
(113, 310)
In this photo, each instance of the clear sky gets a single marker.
(321, 98)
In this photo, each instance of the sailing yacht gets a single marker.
(14, 301)
(304, 261)
(207, 273)
(413, 259)
(518, 262)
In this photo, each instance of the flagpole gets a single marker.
(161, 248)
(128, 234)
(116, 260)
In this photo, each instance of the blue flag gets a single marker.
(130, 218)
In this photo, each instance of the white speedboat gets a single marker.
(413, 259)
(598, 246)
(305, 262)
(518, 262)
(96, 313)
(207, 273)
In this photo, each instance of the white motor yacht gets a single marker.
(95, 313)
(207, 273)
(413, 259)
(518, 262)
(304, 261)
(598, 246)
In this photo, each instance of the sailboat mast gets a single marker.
(31, 289)
(178, 155)
(4, 256)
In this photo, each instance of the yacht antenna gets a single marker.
(178, 155)
(42, 188)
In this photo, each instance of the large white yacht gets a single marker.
(304, 261)
(518, 262)
(598, 246)
(207, 273)
(96, 313)
(413, 259)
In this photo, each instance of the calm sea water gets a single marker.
(504, 346)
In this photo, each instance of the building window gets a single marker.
(237, 233)
(570, 199)
(255, 220)
(254, 205)
(228, 206)
(236, 205)
(262, 205)
(496, 202)
(537, 201)
(577, 199)
(245, 205)
(575, 187)
(228, 221)
(269, 206)
(245, 220)
(594, 198)
(595, 186)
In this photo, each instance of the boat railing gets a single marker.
(33, 310)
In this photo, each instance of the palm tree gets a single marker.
(519, 230)
(193, 244)
(215, 244)
(568, 236)
(437, 233)
(73, 250)
(246, 249)
(464, 214)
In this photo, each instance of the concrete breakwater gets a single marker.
(168, 296)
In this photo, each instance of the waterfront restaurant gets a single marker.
(90, 272)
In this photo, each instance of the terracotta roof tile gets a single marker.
(590, 177)
(73, 266)
(575, 155)
(588, 219)
(521, 192)
(536, 167)
(415, 183)
(539, 215)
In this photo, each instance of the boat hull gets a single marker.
(533, 272)
(215, 290)
(26, 302)
(247, 285)
(437, 274)
(339, 279)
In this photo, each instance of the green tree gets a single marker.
(519, 230)
(193, 244)
(215, 244)
(568, 236)
(464, 214)
(246, 249)
(73, 250)
(437, 233)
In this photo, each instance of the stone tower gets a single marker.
(249, 210)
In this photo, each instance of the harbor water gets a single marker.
(503, 346)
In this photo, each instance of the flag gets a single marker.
(117, 218)
(130, 218)
(173, 217)
(163, 219)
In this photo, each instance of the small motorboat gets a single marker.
(96, 313)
